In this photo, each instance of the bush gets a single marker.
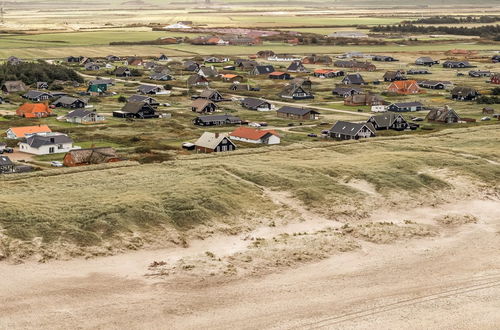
(122, 99)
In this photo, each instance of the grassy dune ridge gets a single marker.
(109, 208)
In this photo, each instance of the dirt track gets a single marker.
(451, 281)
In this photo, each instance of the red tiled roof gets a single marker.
(251, 133)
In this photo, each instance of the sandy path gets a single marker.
(452, 281)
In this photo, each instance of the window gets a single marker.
(59, 146)
(51, 150)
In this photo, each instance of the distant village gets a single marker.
(212, 86)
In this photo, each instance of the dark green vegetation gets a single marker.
(31, 72)
(485, 31)
(455, 20)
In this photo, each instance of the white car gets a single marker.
(56, 164)
(254, 125)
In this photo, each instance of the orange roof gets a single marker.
(403, 84)
(251, 133)
(276, 73)
(30, 110)
(213, 39)
(21, 132)
(324, 71)
(229, 75)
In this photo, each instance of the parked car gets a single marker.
(7, 150)
(417, 119)
(56, 164)
(254, 125)
(263, 124)
(485, 118)
(312, 135)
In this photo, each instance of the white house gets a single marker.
(253, 135)
(82, 116)
(283, 58)
(379, 108)
(48, 143)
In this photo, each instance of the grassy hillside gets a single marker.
(105, 209)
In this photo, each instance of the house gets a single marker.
(215, 59)
(394, 76)
(295, 92)
(25, 131)
(90, 156)
(488, 111)
(134, 61)
(344, 130)
(327, 73)
(297, 66)
(445, 115)
(479, 73)
(406, 107)
(425, 60)
(34, 110)
(6, 165)
(279, 75)
(282, 58)
(84, 60)
(418, 71)
(364, 99)
(297, 113)
(37, 96)
(214, 142)
(144, 99)
(74, 59)
(122, 71)
(113, 58)
(244, 63)
(197, 80)
(262, 69)
(208, 72)
(389, 121)
(92, 67)
(212, 95)
(356, 65)
(216, 120)
(346, 91)
(45, 144)
(149, 65)
(265, 53)
(229, 77)
(97, 87)
(253, 135)
(12, 60)
(161, 76)
(243, 87)
(457, 64)
(352, 55)
(317, 59)
(404, 87)
(191, 66)
(107, 82)
(139, 110)
(42, 85)
(495, 79)
(69, 102)
(163, 58)
(353, 79)
(378, 108)
(82, 116)
(348, 34)
(495, 59)
(382, 58)
(305, 83)
(13, 87)
(149, 89)
(203, 106)
(256, 104)
(464, 93)
(435, 84)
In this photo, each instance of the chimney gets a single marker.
(216, 135)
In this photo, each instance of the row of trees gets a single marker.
(454, 20)
(486, 31)
(31, 72)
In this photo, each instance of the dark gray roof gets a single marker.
(408, 104)
(296, 111)
(5, 161)
(36, 141)
(102, 82)
(147, 88)
(460, 90)
(252, 103)
(342, 90)
(354, 78)
(141, 98)
(67, 100)
(350, 129)
(295, 65)
(35, 94)
(134, 107)
(263, 69)
(386, 119)
(121, 70)
(78, 113)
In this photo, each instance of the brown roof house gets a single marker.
(14, 87)
(364, 99)
(203, 106)
(445, 115)
(90, 156)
